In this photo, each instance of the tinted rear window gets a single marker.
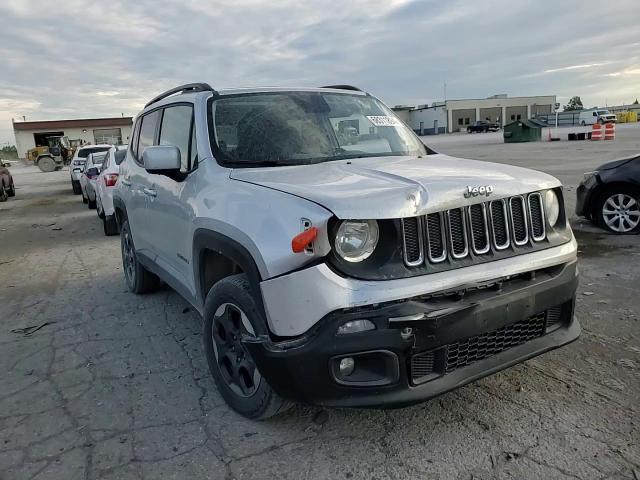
(84, 153)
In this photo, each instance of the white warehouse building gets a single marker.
(455, 115)
(30, 134)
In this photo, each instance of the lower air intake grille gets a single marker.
(426, 366)
(422, 365)
(476, 348)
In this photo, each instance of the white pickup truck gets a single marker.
(589, 117)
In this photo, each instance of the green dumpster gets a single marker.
(523, 131)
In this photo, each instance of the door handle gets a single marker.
(149, 191)
(125, 181)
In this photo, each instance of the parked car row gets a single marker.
(482, 126)
(94, 174)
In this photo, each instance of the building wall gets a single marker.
(26, 141)
(516, 113)
(403, 114)
(429, 117)
(461, 119)
(491, 114)
(523, 106)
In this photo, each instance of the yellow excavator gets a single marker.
(52, 156)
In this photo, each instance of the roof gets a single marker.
(76, 123)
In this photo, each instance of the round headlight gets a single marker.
(356, 239)
(551, 206)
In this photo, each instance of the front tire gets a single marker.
(3, 194)
(47, 164)
(618, 210)
(75, 185)
(139, 279)
(11, 192)
(91, 204)
(230, 312)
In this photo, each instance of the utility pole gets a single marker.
(445, 91)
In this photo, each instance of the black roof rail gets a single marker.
(189, 87)
(343, 87)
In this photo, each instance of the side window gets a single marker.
(193, 149)
(134, 138)
(176, 130)
(148, 131)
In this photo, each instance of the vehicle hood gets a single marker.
(617, 163)
(396, 187)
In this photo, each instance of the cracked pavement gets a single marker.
(116, 386)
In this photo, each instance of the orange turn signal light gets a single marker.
(300, 241)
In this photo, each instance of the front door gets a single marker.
(170, 214)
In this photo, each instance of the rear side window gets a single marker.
(148, 131)
(176, 130)
(85, 152)
(134, 138)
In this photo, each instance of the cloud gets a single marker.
(95, 58)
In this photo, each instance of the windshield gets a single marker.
(297, 128)
(84, 153)
(603, 112)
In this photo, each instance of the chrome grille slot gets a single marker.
(413, 243)
(536, 217)
(457, 233)
(518, 220)
(437, 251)
(499, 224)
(479, 229)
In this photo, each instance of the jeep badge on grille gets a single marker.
(485, 190)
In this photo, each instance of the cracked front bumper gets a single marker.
(305, 369)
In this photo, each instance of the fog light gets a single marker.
(347, 365)
(355, 326)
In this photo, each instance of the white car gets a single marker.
(88, 178)
(78, 163)
(105, 183)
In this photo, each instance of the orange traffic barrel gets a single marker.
(610, 131)
(596, 131)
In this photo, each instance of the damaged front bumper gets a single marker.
(426, 345)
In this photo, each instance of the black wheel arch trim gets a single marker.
(205, 239)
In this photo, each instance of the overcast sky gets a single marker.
(77, 58)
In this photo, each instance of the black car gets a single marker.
(483, 126)
(610, 196)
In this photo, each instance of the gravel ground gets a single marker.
(116, 386)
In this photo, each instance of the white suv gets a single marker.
(78, 163)
(105, 183)
(359, 269)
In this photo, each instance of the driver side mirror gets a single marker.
(161, 158)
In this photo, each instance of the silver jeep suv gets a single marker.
(335, 259)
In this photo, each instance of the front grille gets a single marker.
(445, 359)
(458, 233)
(475, 230)
(412, 236)
(518, 220)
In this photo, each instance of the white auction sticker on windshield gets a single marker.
(383, 121)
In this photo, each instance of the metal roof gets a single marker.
(75, 123)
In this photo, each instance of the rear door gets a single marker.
(136, 180)
(170, 211)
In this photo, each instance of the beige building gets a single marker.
(30, 134)
(457, 115)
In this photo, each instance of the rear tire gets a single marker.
(75, 185)
(230, 312)
(91, 204)
(84, 199)
(139, 279)
(11, 192)
(110, 225)
(3, 194)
